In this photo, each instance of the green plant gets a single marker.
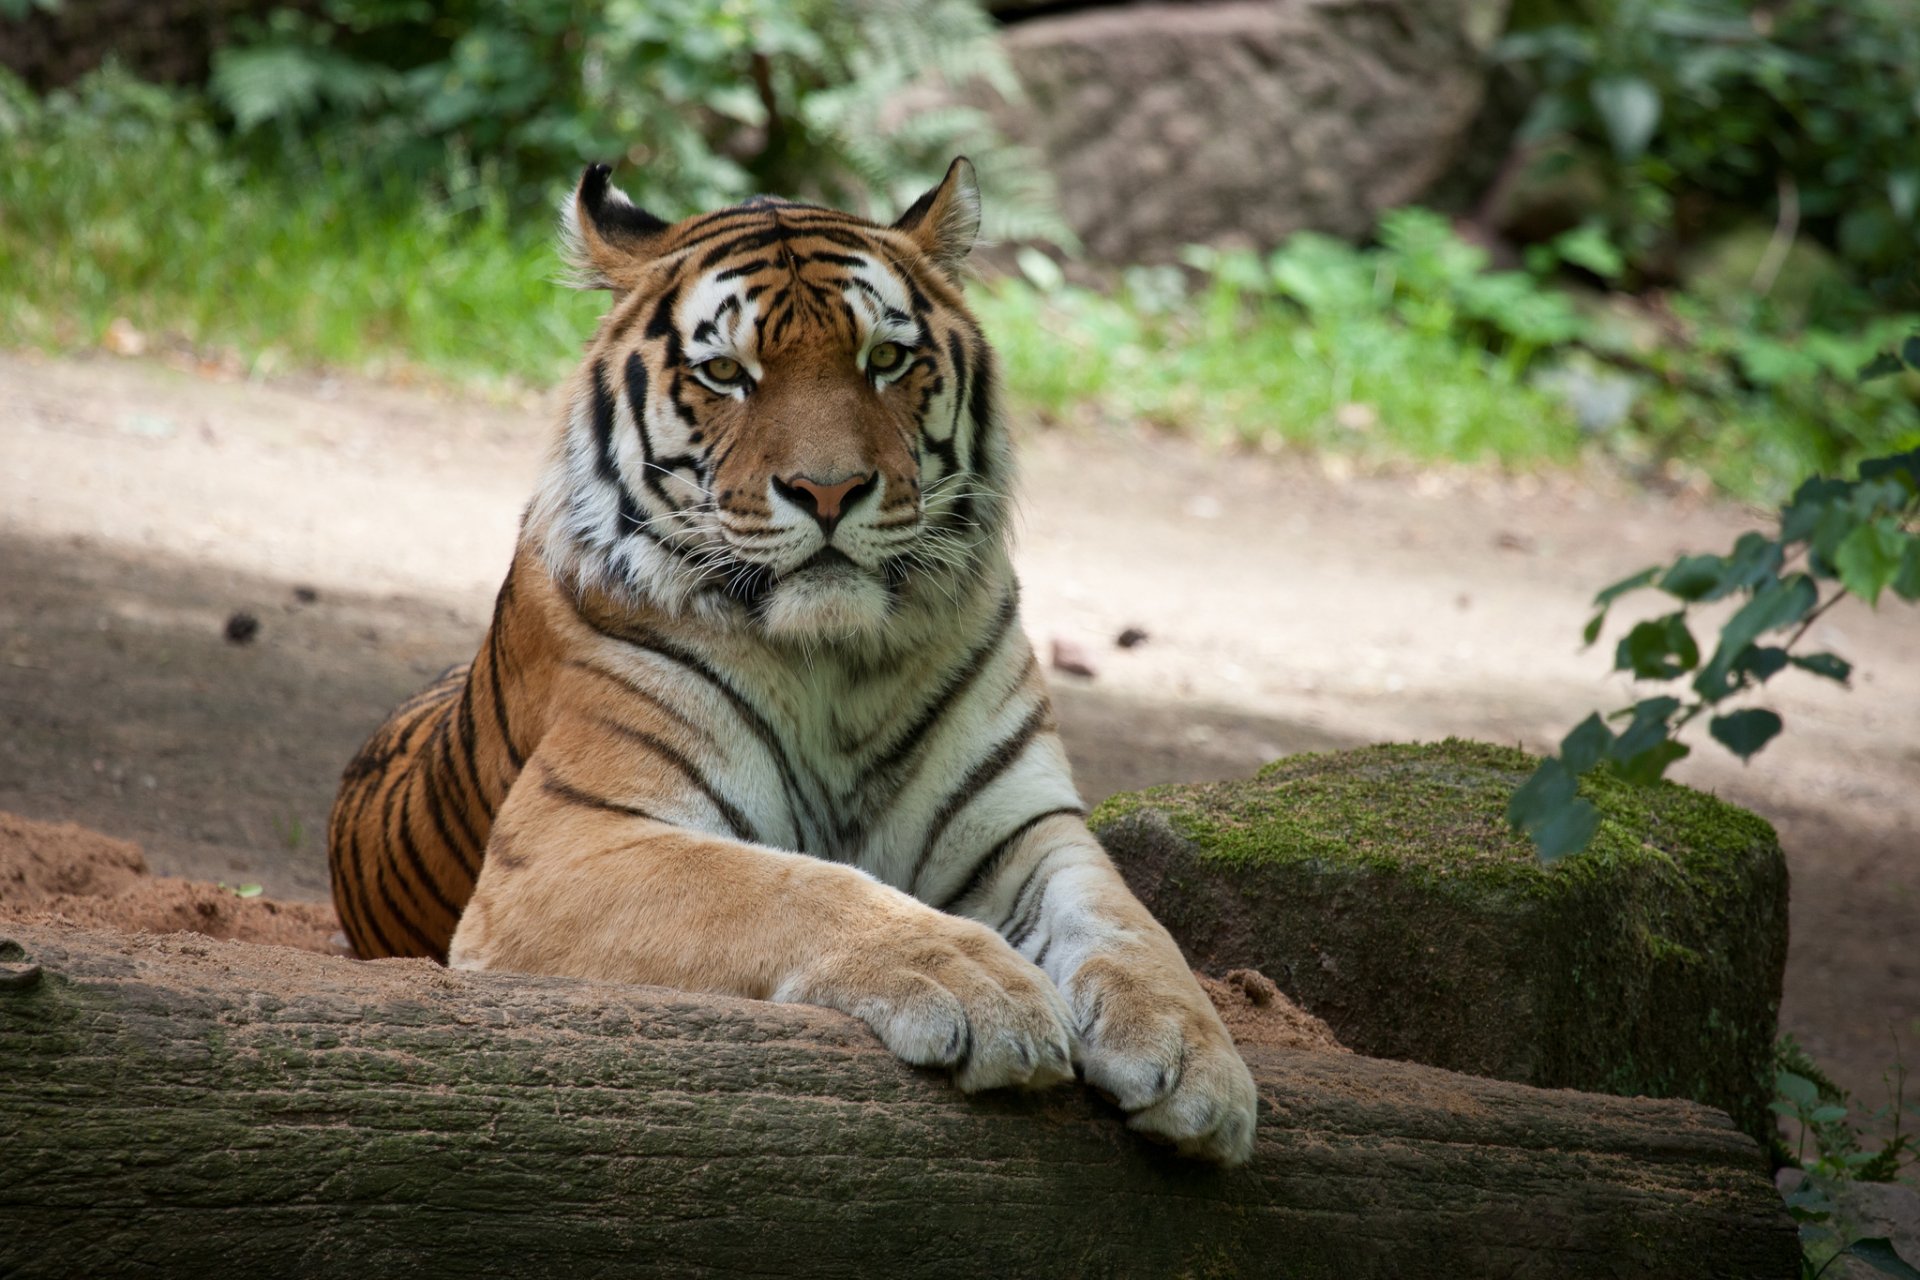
(1841, 1154)
(1807, 106)
(706, 101)
(120, 200)
(1834, 539)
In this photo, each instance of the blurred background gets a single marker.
(1665, 231)
(1351, 345)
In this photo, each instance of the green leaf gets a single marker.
(1642, 753)
(248, 891)
(1776, 605)
(1906, 583)
(1649, 766)
(1809, 502)
(1693, 577)
(1566, 832)
(1828, 1114)
(1830, 665)
(1797, 1089)
(1592, 631)
(1755, 561)
(1910, 351)
(1586, 746)
(1658, 649)
(1629, 107)
(1878, 1252)
(1903, 467)
(1762, 662)
(1745, 732)
(1632, 582)
(1549, 789)
(1870, 557)
(1880, 366)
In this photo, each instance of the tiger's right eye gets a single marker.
(723, 370)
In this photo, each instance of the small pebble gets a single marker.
(1072, 658)
(305, 595)
(1130, 638)
(242, 627)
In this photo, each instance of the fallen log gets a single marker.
(179, 1106)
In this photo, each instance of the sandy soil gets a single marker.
(1288, 606)
(64, 873)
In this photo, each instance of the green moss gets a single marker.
(1383, 888)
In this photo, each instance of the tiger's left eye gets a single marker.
(723, 370)
(886, 357)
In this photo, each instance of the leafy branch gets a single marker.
(1835, 538)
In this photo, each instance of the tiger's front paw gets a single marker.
(944, 992)
(1153, 1041)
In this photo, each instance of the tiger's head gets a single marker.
(787, 417)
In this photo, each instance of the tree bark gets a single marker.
(179, 1106)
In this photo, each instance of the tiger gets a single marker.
(755, 714)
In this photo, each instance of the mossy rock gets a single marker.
(1382, 889)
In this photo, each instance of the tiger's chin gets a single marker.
(826, 602)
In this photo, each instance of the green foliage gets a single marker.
(1821, 1113)
(1417, 347)
(1411, 348)
(705, 101)
(122, 200)
(1842, 538)
(1808, 106)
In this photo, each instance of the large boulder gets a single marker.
(1382, 890)
(1241, 123)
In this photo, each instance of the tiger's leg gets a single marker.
(576, 882)
(1149, 1035)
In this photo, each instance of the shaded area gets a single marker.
(127, 710)
(133, 713)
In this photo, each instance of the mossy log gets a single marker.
(173, 1106)
(1383, 891)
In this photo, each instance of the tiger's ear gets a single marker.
(608, 237)
(946, 220)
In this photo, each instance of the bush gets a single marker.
(705, 101)
(1698, 110)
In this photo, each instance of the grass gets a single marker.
(122, 202)
(1258, 373)
(127, 206)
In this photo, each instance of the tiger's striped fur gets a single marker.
(755, 713)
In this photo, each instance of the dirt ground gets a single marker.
(1289, 605)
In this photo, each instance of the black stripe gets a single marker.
(426, 945)
(978, 779)
(411, 848)
(397, 840)
(647, 696)
(990, 864)
(737, 822)
(463, 723)
(494, 665)
(462, 846)
(363, 894)
(1024, 917)
(799, 807)
(605, 461)
(743, 269)
(573, 795)
(980, 407)
(958, 680)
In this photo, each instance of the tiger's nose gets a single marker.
(825, 502)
